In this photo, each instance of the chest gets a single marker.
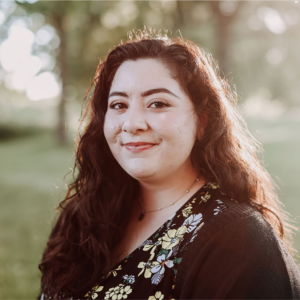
(152, 254)
(137, 232)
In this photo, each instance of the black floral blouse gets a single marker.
(149, 272)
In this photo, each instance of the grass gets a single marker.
(31, 186)
(281, 144)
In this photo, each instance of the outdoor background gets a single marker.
(49, 51)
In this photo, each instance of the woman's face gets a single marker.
(150, 123)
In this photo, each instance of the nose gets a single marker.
(135, 119)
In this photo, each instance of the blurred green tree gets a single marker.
(210, 23)
(65, 16)
(239, 34)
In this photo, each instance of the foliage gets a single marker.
(92, 27)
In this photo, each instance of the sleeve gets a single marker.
(244, 260)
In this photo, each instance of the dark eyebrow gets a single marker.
(144, 94)
(159, 90)
(122, 94)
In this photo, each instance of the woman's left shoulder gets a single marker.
(238, 227)
(237, 254)
(219, 209)
(222, 211)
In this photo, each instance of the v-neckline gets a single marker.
(158, 229)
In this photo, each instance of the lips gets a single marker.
(138, 147)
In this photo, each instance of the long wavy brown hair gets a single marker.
(93, 215)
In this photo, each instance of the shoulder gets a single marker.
(223, 213)
(220, 212)
(237, 254)
(238, 227)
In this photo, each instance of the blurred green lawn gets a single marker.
(31, 168)
(31, 186)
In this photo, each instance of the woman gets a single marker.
(169, 200)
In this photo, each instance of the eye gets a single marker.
(118, 106)
(159, 104)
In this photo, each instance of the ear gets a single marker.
(203, 120)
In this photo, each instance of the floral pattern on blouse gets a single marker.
(149, 272)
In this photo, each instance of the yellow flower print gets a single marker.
(214, 185)
(158, 296)
(153, 246)
(145, 266)
(94, 291)
(119, 292)
(173, 237)
(200, 226)
(205, 197)
(187, 211)
(234, 200)
(114, 272)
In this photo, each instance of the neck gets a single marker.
(159, 193)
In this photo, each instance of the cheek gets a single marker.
(112, 129)
(178, 129)
(190, 127)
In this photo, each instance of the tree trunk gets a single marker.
(223, 42)
(224, 37)
(61, 59)
(179, 6)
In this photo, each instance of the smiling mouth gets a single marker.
(138, 147)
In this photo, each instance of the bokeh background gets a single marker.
(49, 51)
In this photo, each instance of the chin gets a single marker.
(140, 173)
(139, 168)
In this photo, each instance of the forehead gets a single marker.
(143, 74)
